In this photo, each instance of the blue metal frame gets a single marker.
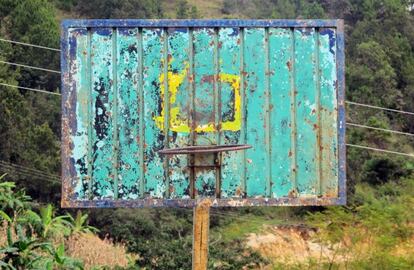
(341, 112)
(80, 23)
(198, 23)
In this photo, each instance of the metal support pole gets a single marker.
(201, 224)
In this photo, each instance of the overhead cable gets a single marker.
(30, 89)
(31, 67)
(29, 44)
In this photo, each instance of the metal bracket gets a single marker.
(204, 157)
(201, 149)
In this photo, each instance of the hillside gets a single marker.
(374, 231)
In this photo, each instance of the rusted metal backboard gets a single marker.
(134, 87)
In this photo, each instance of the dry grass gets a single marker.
(89, 248)
(296, 244)
(3, 234)
(94, 251)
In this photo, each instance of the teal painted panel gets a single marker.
(179, 86)
(281, 112)
(153, 41)
(307, 110)
(80, 86)
(103, 97)
(129, 160)
(204, 67)
(256, 95)
(328, 112)
(131, 91)
(229, 50)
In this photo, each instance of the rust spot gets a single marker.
(239, 192)
(313, 111)
(290, 153)
(289, 65)
(292, 193)
(315, 127)
(219, 44)
(190, 78)
(208, 79)
(271, 107)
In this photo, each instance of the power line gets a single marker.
(380, 129)
(29, 169)
(31, 67)
(28, 172)
(29, 175)
(30, 89)
(380, 150)
(29, 44)
(379, 108)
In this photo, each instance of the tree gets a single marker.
(33, 21)
(108, 9)
(182, 9)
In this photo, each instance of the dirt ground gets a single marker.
(289, 244)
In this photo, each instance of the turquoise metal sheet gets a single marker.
(134, 87)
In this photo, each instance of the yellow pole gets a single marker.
(201, 224)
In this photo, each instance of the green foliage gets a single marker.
(80, 224)
(233, 255)
(186, 11)
(23, 253)
(108, 9)
(18, 24)
(60, 261)
(29, 122)
(28, 141)
(47, 225)
(146, 232)
(277, 9)
(379, 221)
(30, 235)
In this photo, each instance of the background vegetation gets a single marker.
(379, 71)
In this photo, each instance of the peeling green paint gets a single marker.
(80, 86)
(178, 59)
(129, 161)
(139, 90)
(204, 109)
(153, 67)
(233, 162)
(256, 93)
(328, 112)
(102, 113)
(281, 124)
(306, 111)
